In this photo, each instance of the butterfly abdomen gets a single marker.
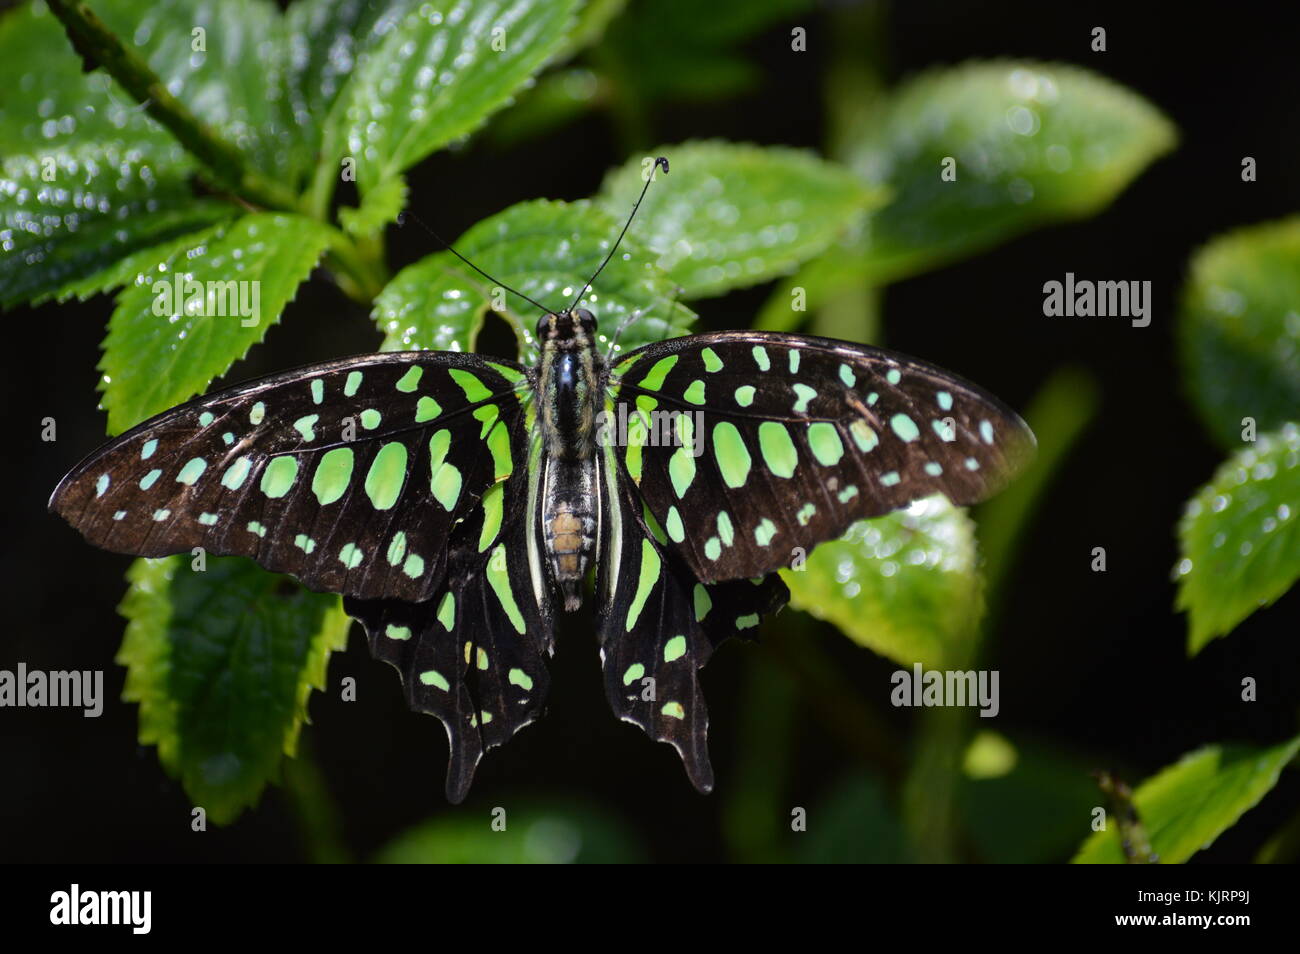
(567, 384)
(569, 525)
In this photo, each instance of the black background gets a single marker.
(1095, 663)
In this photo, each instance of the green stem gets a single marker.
(314, 810)
(359, 270)
(752, 821)
(99, 46)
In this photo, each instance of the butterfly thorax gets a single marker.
(567, 389)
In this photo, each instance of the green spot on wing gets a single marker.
(493, 502)
(279, 476)
(803, 395)
(333, 474)
(426, 409)
(731, 454)
(646, 579)
(387, 475)
(499, 580)
(236, 473)
(475, 390)
(674, 649)
(447, 611)
(824, 439)
(431, 677)
(192, 471)
(410, 380)
(777, 448)
(703, 603)
(654, 380)
(306, 426)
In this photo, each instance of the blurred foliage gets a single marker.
(738, 215)
(1240, 537)
(903, 585)
(1239, 330)
(98, 195)
(1189, 804)
(536, 835)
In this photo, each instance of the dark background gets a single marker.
(1092, 663)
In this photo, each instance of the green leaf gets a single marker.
(326, 37)
(163, 348)
(1033, 143)
(1240, 537)
(379, 206)
(436, 77)
(222, 663)
(69, 214)
(48, 104)
(531, 835)
(731, 215)
(1189, 804)
(903, 585)
(238, 83)
(1239, 329)
(546, 250)
(839, 269)
(148, 264)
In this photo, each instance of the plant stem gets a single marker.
(99, 46)
(313, 808)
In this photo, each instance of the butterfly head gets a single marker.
(577, 325)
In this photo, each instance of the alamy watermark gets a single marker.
(185, 296)
(947, 687)
(634, 427)
(1084, 298)
(35, 688)
(75, 906)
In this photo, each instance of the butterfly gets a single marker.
(460, 502)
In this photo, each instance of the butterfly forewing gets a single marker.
(658, 625)
(797, 437)
(348, 475)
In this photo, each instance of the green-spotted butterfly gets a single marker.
(476, 494)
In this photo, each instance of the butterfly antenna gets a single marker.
(660, 163)
(448, 246)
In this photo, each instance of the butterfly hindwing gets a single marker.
(348, 475)
(475, 654)
(759, 445)
(658, 625)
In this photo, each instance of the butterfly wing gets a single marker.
(798, 437)
(474, 655)
(658, 625)
(349, 474)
